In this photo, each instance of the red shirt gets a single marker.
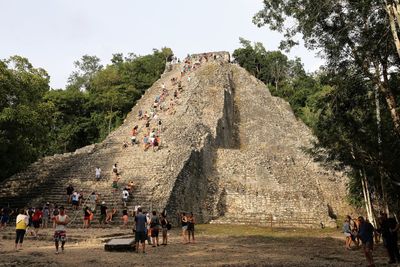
(37, 215)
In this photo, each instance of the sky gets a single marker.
(53, 34)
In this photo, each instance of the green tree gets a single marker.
(350, 33)
(86, 68)
(25, 120)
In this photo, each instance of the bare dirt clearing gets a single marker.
(216, 245)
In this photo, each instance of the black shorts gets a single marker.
(75, 203)
(140, 237)
(36, 224)
(154, 232)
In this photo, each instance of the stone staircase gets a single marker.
(230, 152)
(47, 179)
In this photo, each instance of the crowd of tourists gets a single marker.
(360, 232)
(147, 225)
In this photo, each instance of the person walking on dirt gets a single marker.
(60, 235)
(22, 222)
(366, 234)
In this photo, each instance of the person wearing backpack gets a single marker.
(154, 226)
(165, 226)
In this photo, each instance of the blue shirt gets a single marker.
(366, 232)
(140, 220)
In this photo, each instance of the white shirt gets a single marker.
(61, 218)
(98, 171)
(22, 217)
(75, 196)
(125, 194)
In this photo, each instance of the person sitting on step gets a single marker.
(110, 214)
(146, 143)
(124, 144)
(156, 143)
(115, 169)
(130, 186)
(134, 134)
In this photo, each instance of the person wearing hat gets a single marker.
(103, 213)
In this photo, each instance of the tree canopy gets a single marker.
(350, 34)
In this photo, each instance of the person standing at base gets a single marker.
(5, 213)
(46, 215)
(184, 223)
(61, 221)
(36, 220)
(389, 228)
(22, 222)
(164, 226)
(366, 234)
(190, 228)
(140, 234)
(155, 226)
(347, 232)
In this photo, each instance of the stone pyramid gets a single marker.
(230, 153)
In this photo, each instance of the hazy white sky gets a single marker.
(52, 34)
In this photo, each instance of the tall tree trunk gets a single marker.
(379, 137)
(387, 93)
(367, 197)
(376, 79)
(365, 188)
(393, 15)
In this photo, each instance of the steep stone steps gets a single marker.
(134, 164)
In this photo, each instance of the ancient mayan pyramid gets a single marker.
(231, 153)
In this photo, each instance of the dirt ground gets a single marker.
(216, 245)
